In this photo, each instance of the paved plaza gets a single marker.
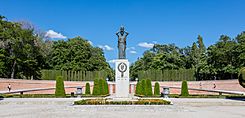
(63, 108)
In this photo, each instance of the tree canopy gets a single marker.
(24, 51)
(221, 60)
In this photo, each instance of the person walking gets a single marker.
(9, 87)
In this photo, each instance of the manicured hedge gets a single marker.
(184, 88)
(87, 89)
(168, 75)
(100, 87)
(144, 88)
(60, 89)
(96, 90)
(241, 77)
(148, 88)
(105, 102)
(157, 89)
(73, 75)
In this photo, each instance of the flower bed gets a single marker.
(105, 102)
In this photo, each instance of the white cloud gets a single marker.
(90, 42)
(53, 34)
(146, 45)
(131, 48)
(111, 61)
(105, 47)
(132, 52)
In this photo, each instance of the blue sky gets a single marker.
(147, 21)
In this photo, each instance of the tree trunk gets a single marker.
(13, 70)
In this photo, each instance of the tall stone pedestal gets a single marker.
(122, 78)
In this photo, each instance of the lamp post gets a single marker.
(165, 92)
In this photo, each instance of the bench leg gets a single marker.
(220, 93)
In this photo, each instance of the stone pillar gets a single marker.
(132, 88)
(122, 78)
(111, 88)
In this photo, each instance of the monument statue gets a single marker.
(122, 35)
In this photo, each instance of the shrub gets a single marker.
(143, 85)
(87, 91)
(106, 87)
(157, 89)
(60, 89)
(96, 90)
(140, 102)
(184, 88)
(241, 77)
(148, 88)
(101, 87)
(139, 88)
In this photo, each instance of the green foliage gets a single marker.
(100, 87)
(184, 88)
(167, 75)
(96, 88)
(24, 52)
(143, 87)
(139, 88)
(87, 91)
(157, 89)
(241, 77)
(60, 89)
(20, 54)
(148, 88)
(106, 89)
(221, 60)
(77, 54)
(73, 75)
(139, 102)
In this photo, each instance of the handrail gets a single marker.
(210, 90)
(30, 90)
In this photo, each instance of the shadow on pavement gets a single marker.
(236, 98)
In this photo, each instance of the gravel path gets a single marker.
(63, 108)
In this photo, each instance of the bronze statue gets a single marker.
(122, 35)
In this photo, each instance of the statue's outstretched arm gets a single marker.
(126, 33)
(117, 34)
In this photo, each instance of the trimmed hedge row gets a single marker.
(100, 87)
(87, 89)
(144, 88)
(60, 89)
(139, 102)
(184, 88)
(157, 89)
(241, 77)
(73, 75)
(168, 75)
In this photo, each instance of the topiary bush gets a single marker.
(60, 89)
(100, 87)
(96, 90)
(143, 87)
(148, 88)
(241, 77)
(184, 88)
(157, 89)
(106, 87)
(87, 89)
(139, 88)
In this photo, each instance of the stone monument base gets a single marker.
(122, 78)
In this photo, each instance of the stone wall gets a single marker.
(17, 84)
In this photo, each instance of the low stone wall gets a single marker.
(17, 84)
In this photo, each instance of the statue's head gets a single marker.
(121, 29)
